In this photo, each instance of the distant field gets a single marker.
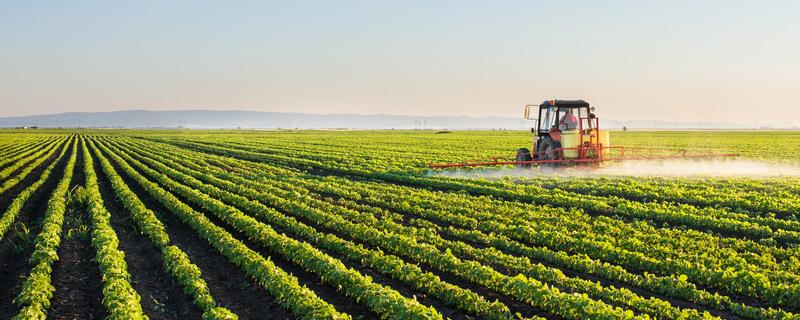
(774, 145)
(351, 224)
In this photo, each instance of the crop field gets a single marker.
(184, 224)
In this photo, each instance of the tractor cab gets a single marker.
(563, 129)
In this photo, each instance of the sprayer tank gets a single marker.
(572, 139)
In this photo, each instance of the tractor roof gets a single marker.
(565, 103)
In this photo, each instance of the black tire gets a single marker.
(548, 151)
(523, 154)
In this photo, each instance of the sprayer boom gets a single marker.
(618, 154)
(567, 132)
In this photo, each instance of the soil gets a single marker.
(76, 277)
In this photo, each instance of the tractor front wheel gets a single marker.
(523, 154)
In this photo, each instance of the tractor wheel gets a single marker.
(523, 154)
(548, 150)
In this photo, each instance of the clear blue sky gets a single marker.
(631, 59)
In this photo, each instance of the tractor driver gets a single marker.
(569, 121)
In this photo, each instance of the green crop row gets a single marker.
(119, 297)
(757, 204)
(37, 289)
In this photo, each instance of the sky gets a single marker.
(723, 61)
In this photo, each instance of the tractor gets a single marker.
(564, 130)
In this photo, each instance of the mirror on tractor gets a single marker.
(528, 115)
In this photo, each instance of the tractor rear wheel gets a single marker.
(523, 154)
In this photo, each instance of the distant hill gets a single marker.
(207, 119)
